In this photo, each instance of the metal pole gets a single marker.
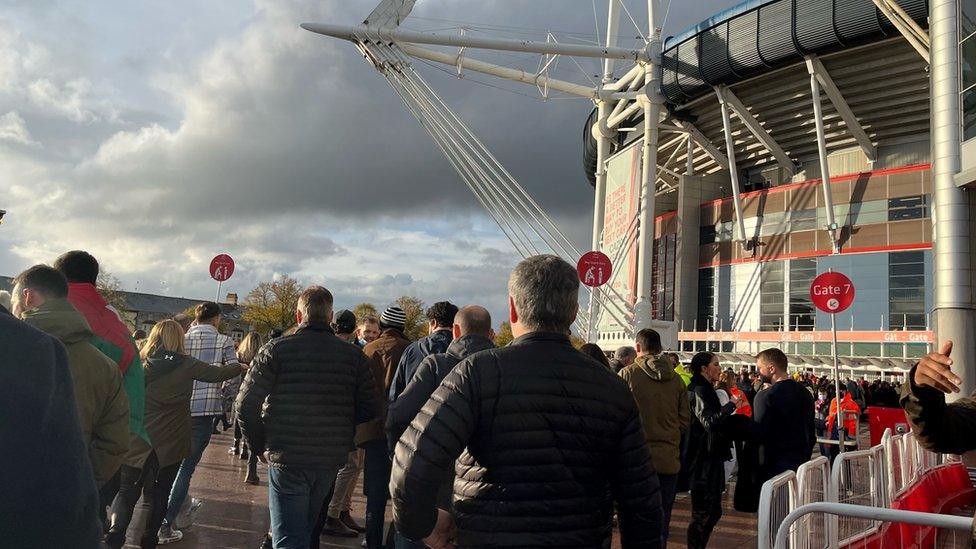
(840, 412)
(219, 283)
(690, 160)
(733, 170)
(824, 168)
(652, 103)
(951, 224)
(396, 34)
(602, 135)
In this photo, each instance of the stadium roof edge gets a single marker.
(716, 19)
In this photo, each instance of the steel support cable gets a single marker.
(484, 178)
(464, 168)
(463, 172)
(515, 189)
(567, 246)
(620, 312)
(392, 72)
(437, 131)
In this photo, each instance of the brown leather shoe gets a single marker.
(335, 527)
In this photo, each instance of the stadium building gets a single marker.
(733, 258)
(787, 138)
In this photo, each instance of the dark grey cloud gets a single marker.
(165, 135)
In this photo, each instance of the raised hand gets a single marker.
(934, 371)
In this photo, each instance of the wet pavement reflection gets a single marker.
(235, 515)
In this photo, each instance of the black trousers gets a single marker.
(706, 510)
(155, 484)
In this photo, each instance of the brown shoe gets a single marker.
(335, 527)
(350, 523)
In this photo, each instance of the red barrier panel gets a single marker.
(938, 491)
(880, 419)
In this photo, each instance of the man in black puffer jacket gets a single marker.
(301, 401)
(551, 439)
(472, 333)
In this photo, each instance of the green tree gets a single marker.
(365, 310)
(504, 335)
(271, 305)
(416, 324)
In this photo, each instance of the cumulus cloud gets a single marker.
(256, 138)
(14, 129)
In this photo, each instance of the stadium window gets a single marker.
(906, 291)
(908, 207)
(706, 299)
(967, 66)
(707, 235)
(802, 314)
(771, 296)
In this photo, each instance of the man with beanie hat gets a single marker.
(382, 355)
(440, 319)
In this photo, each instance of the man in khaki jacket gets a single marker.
(40, 299)
(662, 399)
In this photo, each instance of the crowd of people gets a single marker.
(528, 445)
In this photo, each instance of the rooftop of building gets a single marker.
(154, 303)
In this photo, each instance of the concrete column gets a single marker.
(952, 225)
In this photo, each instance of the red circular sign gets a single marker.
(221, 267)
(594, 269)
(832, 292)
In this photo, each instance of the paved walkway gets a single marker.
(235, 515)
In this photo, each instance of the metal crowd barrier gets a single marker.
(814, 507)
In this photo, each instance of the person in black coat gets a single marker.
(548, 439)
(48, 496)
(708, 448)
(472, 333)
(301, 401)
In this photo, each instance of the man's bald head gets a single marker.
(473, 320)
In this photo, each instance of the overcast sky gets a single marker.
(156, 134)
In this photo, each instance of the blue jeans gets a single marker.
(295, 499)
(199, 439)
(376, 485)
(669, 484)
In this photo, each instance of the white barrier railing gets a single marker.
(871, 478)
(870, 514)
(777, 498)
(813, 486)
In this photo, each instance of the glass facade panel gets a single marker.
(969, 112)
(967, 17)
(967, 66)
(906, 291)
(662, 301)
(706, 299)
(802, 314)
(772, 297)
(909, 207)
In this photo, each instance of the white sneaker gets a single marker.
(168, 535)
